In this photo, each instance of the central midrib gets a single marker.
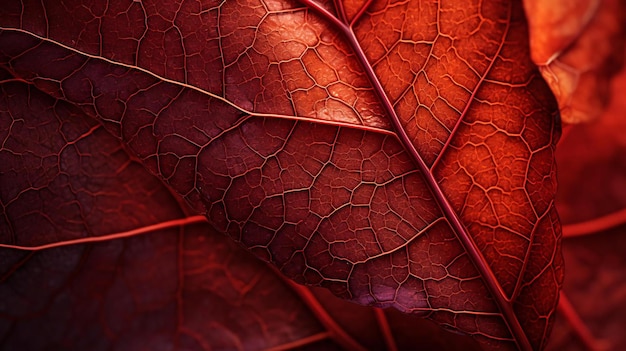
(462, 234)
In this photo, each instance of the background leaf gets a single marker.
(579, 47)
(591, 202)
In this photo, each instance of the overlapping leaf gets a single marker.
(579, 47)
(592, 176)
(591, 203)
(405, 160)
(174, 284)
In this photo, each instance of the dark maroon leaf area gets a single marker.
(178, 288)
(287, 135)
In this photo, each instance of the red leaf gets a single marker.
(172, 285)
(401, 162)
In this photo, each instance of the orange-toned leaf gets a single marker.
(579, 47)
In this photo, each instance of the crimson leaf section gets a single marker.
(336, 200)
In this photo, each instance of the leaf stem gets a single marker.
(294, 345)
(580, 328)
(596, 225)
(336, 331)
(383, 324)
(94, 239)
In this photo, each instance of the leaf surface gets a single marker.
(398, 154)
